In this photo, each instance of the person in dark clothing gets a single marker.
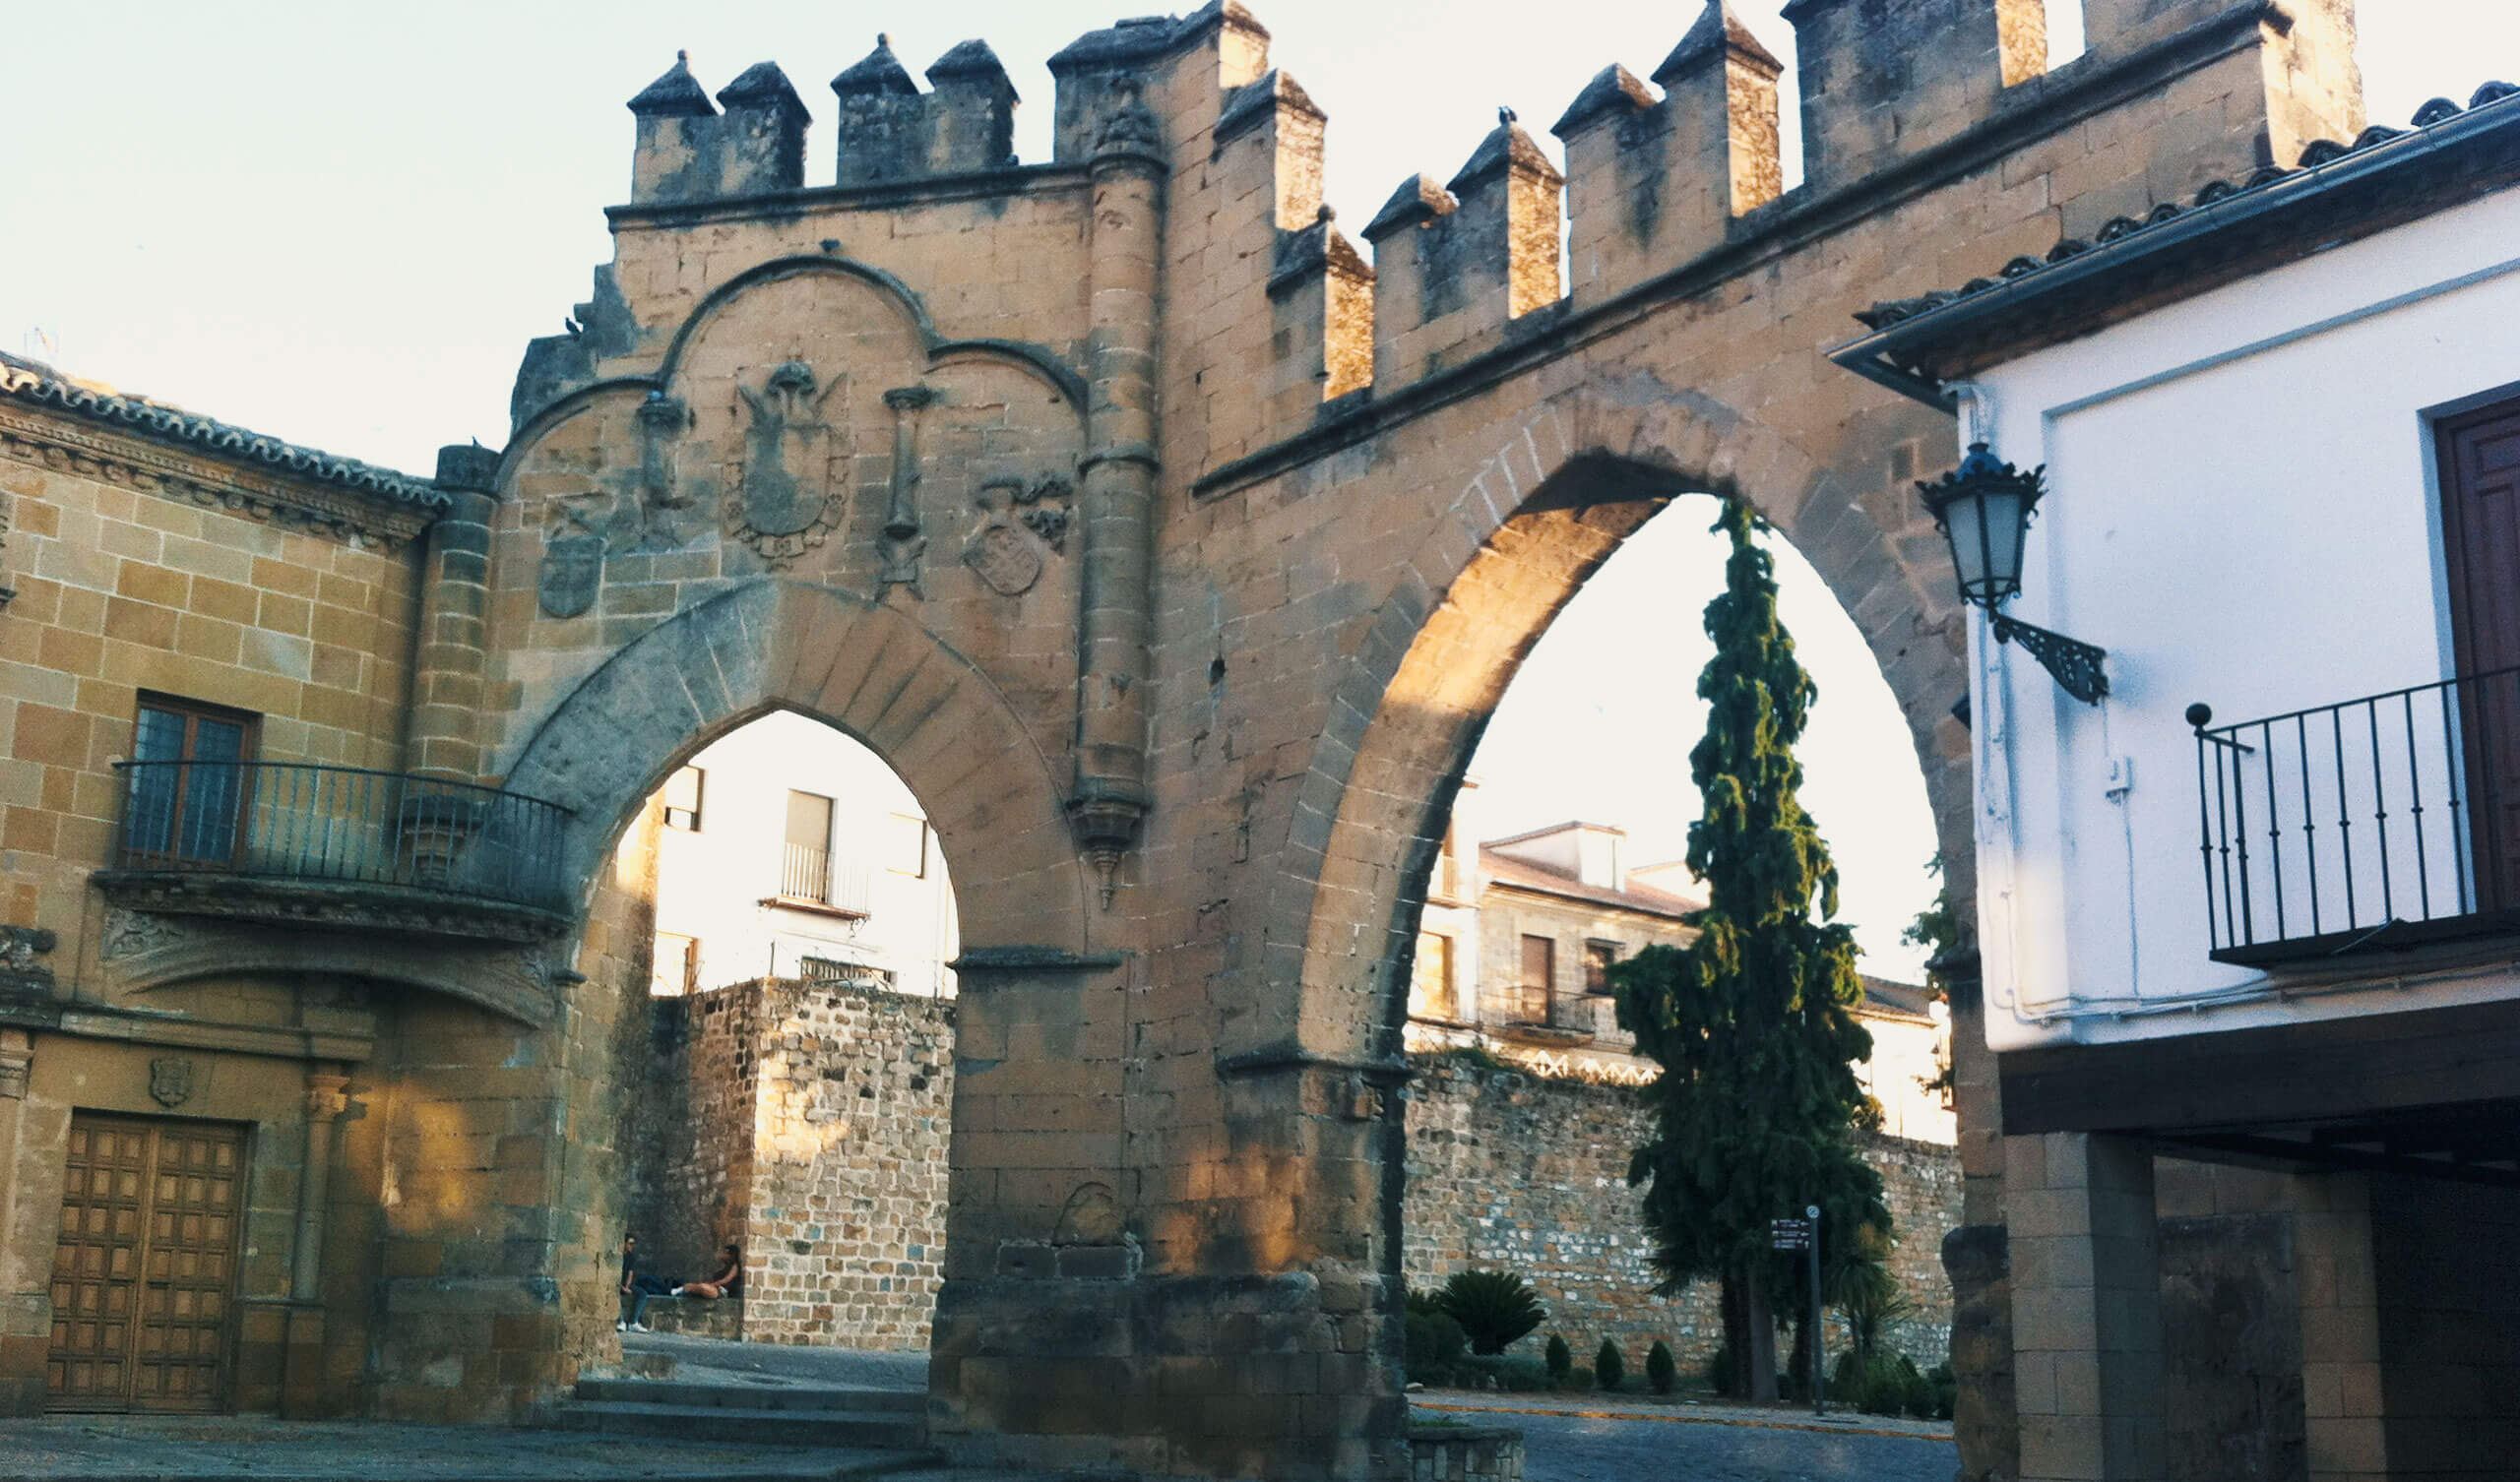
(638, 1286)
(729, 1282)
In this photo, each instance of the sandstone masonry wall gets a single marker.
(815, 1135)
(1530, 1174)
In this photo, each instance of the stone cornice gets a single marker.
(54, 423)
(66, 447)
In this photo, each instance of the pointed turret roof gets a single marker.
(1611, 88)
(970, 59)
(763, 86)
(880, 72)
(677, 95)
(1419, 199)
(1506, 146)
(1716, 31)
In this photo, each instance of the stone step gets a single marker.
(759, 1427)
(787, 1397)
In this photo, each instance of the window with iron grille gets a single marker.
(189, 802)
(834, 973)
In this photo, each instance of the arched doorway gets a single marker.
(796, 1096)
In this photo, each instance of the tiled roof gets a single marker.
(1904, 1000)
(2318, 153)
(39, 383)
(1522, 873)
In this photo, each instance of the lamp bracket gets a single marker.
(2074, 664)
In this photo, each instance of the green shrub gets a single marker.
(1721, 1369)
(1662, 1371)
(1945, 1390)
(1495, 1308)
(1609, 1366)
(1884, 1384)
(1435, 1346)
(1559, 1358)
(1522, 1375)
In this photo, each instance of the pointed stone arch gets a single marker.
(869, 670)
(1535, 510)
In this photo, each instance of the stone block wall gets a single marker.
(1529, 1174)
(814, 1135)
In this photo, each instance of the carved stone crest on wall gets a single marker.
(572, 566)
(1022, 522)
(787, 498)
(170, 1081)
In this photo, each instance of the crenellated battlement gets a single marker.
(1660, 172)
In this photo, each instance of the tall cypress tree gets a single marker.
(1753, 1022)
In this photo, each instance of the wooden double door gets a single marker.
(143, 1269)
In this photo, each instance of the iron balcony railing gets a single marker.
(2380, 821)
(808, 876)
(301, 821)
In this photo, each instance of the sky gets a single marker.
(340, 224)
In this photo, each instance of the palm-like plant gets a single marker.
(1495, 1308)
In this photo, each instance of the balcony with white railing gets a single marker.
(818, 880)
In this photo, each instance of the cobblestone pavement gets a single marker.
(179, 1448)
(1574, 1439)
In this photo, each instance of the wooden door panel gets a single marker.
(144, 1265)
(2478, 457)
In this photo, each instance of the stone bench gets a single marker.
(1464, 1453)
(698, 1317)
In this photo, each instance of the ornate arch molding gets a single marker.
(869, 670)
(1558, 491)
(1031, 358)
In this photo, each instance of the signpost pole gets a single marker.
(1819, 1396)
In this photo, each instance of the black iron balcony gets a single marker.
(2376, 824)
(292, 843)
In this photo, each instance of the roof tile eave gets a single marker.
(36, 382)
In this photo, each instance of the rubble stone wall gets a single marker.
(1529, 1174)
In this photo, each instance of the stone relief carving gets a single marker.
(130, 933)
(17, 1063)
(20, 946)
(170, 1081)
(903, 542)
(661, 420)
(1000, 551)
(788, 495)
(572, 562)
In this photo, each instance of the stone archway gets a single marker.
(873, 673)
(1538, 509)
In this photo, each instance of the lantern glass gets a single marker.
(1985, 509)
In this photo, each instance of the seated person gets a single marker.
(729, 1282)
(638, 1286)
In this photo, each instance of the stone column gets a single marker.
(2085, 1242)
(1975, 1254)
(26, 1307)
(2335, 1265)
(1117, 499)
(302, 1381)
(452, 661)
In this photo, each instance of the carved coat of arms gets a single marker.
(572, 571)
(1021, 521)
(170, 1081)
(787, 498)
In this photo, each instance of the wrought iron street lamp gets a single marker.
(1984, 509)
